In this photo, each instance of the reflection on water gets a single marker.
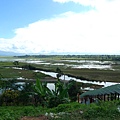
(93, 66)
(78, 80)
(78, 64)
(51, 86)
(89, 61)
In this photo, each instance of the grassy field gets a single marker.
(9, 71)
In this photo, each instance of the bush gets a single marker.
(103, 109)
(10, 97)
(71, 111)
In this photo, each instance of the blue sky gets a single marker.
(60, 26)
(19, 13)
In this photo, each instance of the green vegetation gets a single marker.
(72, 111)
(94, 74)
(16, 112)
(51, 62)
(64, 63)
(29, 93)
(23, 70)
(30, 99)
(90, 57)
(52, 98)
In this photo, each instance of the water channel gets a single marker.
(65, 77)
(52, 74)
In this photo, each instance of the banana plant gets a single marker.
(52, 98)
(41, 90)
(59, 95)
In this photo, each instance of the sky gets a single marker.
(60, 26)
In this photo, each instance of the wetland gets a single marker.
(18, 98)
(96, 70)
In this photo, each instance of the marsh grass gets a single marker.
(84, 74)
(95, 74)
(11, 73)
(101, 75)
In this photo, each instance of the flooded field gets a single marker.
(79, 64)
(85, 71)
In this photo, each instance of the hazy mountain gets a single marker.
(5, 53)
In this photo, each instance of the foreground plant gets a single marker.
(52, 98)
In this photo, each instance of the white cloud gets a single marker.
(93, 3)
(95, 31)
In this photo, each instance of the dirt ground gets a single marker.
(42, 117)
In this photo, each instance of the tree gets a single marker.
(12, 87)
(16, 63)
(1, 76)
(26, 93)
(9, 85)
(59, 73)
(73, 90)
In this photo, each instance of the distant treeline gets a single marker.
(95, 57)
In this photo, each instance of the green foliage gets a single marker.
(73, 90)
(59, 95)
(16, 112)
(101, 111)
(39, 75)
(52, 98)
(72, 111)
(107, 110)
(0, 76)
(95, 57)
(67, 107)
(9, 84)
(59, 73)
(10, 88)
(25, 96)
(28, 67)
(9, 97)
(16, 63)
(42, 92)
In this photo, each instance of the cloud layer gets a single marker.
(95, 31)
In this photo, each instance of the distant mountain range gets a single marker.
(7, 53)
(4, 53)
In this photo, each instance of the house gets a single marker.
(103, 94)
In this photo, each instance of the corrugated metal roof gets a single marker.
(102, 91)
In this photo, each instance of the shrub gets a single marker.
(10, 97)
